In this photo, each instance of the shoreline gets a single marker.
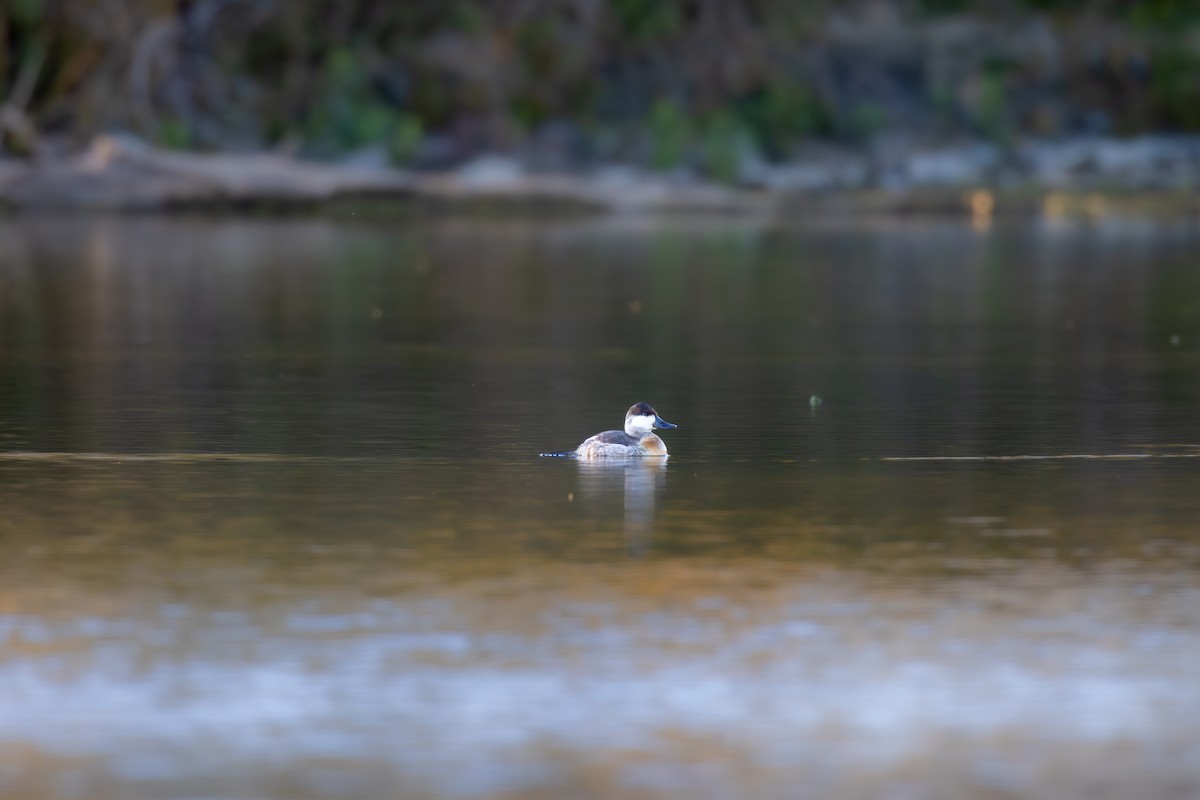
(1154, 177)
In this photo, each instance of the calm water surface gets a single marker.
(272, 522)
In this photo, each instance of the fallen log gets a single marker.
(120, 174)
(117, 174)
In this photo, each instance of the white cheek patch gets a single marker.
(641, 422)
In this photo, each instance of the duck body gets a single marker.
(621, 444)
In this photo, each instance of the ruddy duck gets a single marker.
(638, 438)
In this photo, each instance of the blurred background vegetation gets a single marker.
(700, 83)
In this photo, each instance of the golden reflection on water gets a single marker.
(172, 628)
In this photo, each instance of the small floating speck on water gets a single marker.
(814, 401)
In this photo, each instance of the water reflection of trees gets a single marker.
(328, 338)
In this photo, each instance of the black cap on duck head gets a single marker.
(641, 410)
(641, 418)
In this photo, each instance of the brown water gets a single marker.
(272, 523)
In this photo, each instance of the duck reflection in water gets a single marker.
(637, 482)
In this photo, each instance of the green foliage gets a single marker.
(723, 140)
(781, 113)
(728, 76)
(538, 46)
(354, 114)
(671, 133)
(466, 16)
(992, 112)
(406, 138)
(941, 97)
(528, 110)
(1164, 13)
(268, 50)
(865, 120)
(173, 133)
(1051, 5)
(647, 19)
(1175, 86)
(716, 142)
(935, 7)
(27, 12)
